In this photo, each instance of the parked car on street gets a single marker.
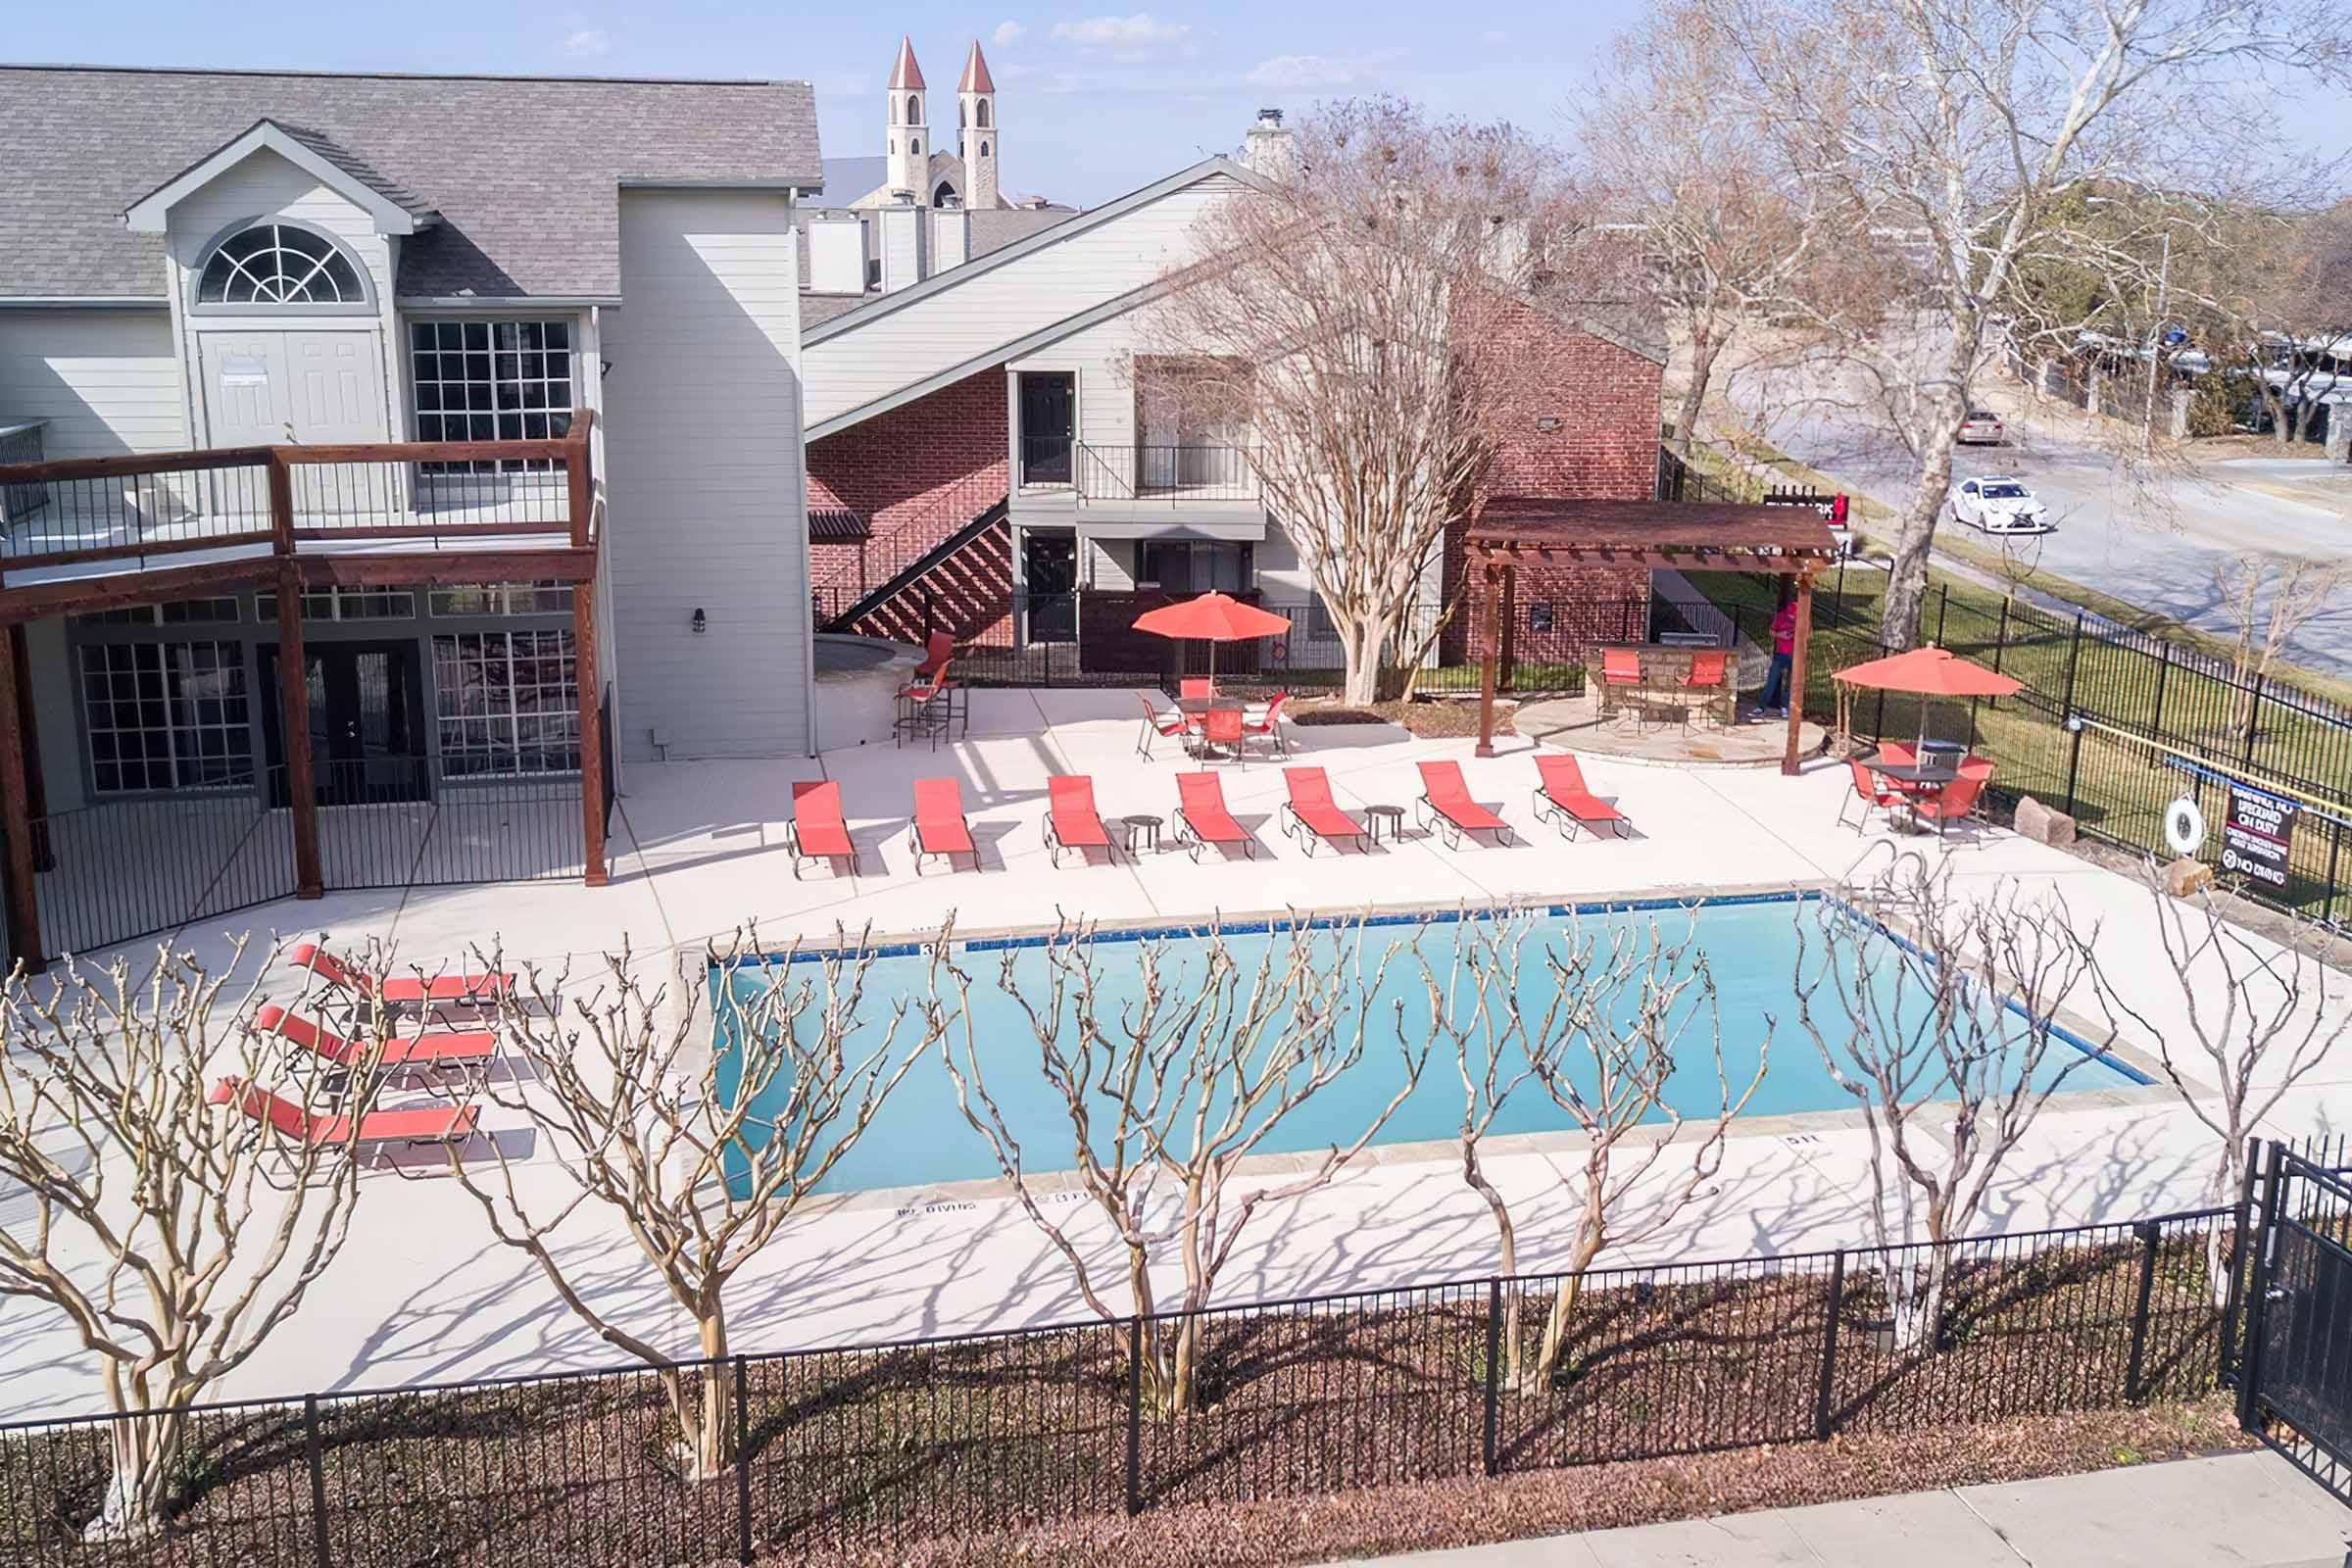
(2001, 504)
(1983, 427)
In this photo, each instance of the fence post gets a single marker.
(2164, 667)
(1943, 611)
(2000, 638)
(2133, 1373)
(318, 1463)
(2258, 1290)
(2073, 760)
(1135, 1416)
(1825, 1409)
(2253, 719)
(2074, 660)
(1487, 1431)
(743, 1467)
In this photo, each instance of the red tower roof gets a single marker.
(975, 74)
(905, 76)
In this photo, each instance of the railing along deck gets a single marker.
(272, 500)
(1174, 473)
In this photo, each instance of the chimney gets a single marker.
(1268, 149)
(837, 256)
(951, 237)
(900, 238)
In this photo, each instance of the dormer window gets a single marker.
(280, 264)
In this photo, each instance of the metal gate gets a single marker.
(2295, 1375)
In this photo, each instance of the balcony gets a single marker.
(1176, 473)
(234, 508)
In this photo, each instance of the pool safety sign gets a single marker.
(2256, 837)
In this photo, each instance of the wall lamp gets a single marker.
(701, 622)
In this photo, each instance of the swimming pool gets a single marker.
(920, 1138)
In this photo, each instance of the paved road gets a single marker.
(2148, 537)
(2248, 1509)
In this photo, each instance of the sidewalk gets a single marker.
(2250, 1509)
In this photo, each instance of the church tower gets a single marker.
(909, 141)
(976, 126)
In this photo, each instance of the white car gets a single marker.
(2001, 504)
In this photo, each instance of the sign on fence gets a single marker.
(2258, 834)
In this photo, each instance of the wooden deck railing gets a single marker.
(134, 508)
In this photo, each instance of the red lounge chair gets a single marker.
(939, 825)
(431, 1050)
(1950, 804)
(1071, 820)
(1269, 723)
(1563, 799)
(1867, 790)
(427, 1124)
(1446, 804)
(401, 991)
(1310, 813)
(1201, 813)
(817, 831)
(1158, 726)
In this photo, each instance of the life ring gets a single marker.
(2184, 827)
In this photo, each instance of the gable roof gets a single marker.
(395, 210)
(525, 171)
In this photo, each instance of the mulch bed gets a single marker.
(1429, 719)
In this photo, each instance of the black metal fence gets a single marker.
(2114, 725)
(872, 1448)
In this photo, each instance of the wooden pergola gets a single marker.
(1767, 541)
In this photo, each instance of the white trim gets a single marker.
(151, 214)
(522, 303)
(93, 302)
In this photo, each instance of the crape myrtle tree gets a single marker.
(1375, 321)
(1946, 143)
(2256, 1018)
(1169, 1068)
(1948, 1045)
(700, 1119)
(173, 1231)
(1598, 1023)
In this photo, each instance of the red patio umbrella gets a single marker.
(1212, 618)
(1930, 673)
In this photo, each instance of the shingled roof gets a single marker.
(525, 171)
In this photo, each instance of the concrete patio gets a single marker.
(423, 1294)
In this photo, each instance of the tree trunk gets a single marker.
(142, 1451)
(1705, 346)
(1360, 640)
(1915, 535)
(1915, 1294)
(705, 1417)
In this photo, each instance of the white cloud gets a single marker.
(1316, 73)
(1494, 35)
(587, 43)
(1005, 33)
(1135, 38)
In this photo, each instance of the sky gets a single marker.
(1092, 103)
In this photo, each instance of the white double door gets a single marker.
(302, 386)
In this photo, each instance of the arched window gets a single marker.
(959, 119)
(915, 110)
(984, 149)
(983, 114)
(915, 148)
(280, 263)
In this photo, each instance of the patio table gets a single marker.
(1914, 779)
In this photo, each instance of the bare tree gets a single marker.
(2258, 1024)
(2267, 599)
(173, 1228)
(702, 1132)
(1942, 141)
(1368, 322)
(1606, 1037)
(1948, 1042)
(1694, 191)
(1167, 1079)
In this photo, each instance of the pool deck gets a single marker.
(423, 1294)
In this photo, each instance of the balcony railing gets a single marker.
(136, 508)
(1181, 472)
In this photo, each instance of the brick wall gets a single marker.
(917, 475)
(1606, 400)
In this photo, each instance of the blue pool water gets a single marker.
(1750, 944)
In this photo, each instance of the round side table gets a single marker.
(1141, 825)
(1392, 815)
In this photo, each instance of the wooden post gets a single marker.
(592, 729)
(294, 723)
(1796, 670)
(1508, 676)
(579, 480)
(1490, 655)
(16, 817)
